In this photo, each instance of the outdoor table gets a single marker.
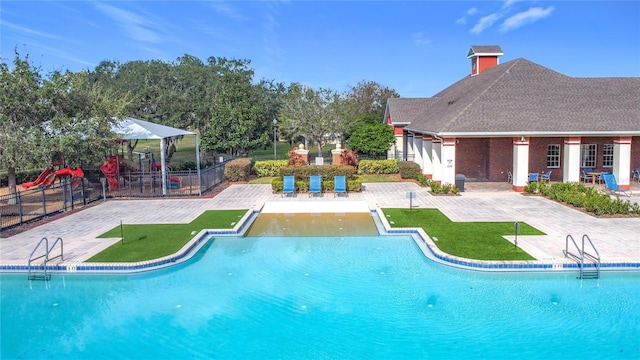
(593, 175)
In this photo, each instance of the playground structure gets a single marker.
(119, 170)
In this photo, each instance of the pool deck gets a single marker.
(617, 239)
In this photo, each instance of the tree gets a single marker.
(241, 111)
(372, 139)
(23, 108)
(314, 114)
(83, 115)
(369, 97)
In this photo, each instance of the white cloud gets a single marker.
(28, 31)
(484, 23)
(137, 27)
(526, 17)
(420, 39)
(229, 11)
(463, 20)
(508, 3)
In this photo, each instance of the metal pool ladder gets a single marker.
(593, 271)
(42, 275)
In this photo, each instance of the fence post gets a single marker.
(44, 205)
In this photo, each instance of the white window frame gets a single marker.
(588, 155)
(607, 155)
(553, 156)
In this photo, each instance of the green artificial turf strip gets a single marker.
(152, 241)
(471, 240)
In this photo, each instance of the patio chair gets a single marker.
(586, 178)
(289, 185)
(602, 174)
(547, 176)
(509, 177)
(612, 185)
(339, 185)
(533, 177)
(636, 175)
(315, 184)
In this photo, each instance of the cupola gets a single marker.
(483, 57)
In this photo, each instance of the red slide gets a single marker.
(47, 178)
(41, 178)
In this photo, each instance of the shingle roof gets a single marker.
(521, 96)
(484, 49)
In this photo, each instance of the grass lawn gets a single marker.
(471, 240)
(152, 241)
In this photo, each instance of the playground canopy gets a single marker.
(136, 129)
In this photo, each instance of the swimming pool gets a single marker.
(373, 297)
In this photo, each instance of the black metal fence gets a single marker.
(30, 205)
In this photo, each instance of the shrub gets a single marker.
(296, 159)
(531, 187)
(378, 167)
(408, 169)
(267, 168)
(238, 169)
(349, 157)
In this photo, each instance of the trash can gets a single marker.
(460, 181)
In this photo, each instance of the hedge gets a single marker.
(238, 169)
(369, 167)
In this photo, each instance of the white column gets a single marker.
(571, 160)
(427, 148)
(410, 149)
(448, 161)
(417, 149)
(399, 145)
(520, 163)
(436, 155)
(163, 170)
(622, 161)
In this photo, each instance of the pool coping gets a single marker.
(421, 238)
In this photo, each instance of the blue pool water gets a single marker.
(319, 298)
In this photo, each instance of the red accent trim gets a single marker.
(622, 140)
(624, 187)
(435, 140)
(449, 142)
(518, 141)
(517, 188)
(397, 130)
(572, 140)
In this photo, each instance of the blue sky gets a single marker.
(416, 47)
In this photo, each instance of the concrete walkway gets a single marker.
(617, 239)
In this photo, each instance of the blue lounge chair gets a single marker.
(636, 175)
(339, 185)
(289, 185)
(509, 177)
(315, 184)
(547, 176)
(533, 177)
(612, 185)
(601, 177)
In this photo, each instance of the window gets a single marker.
(553, 156)
(588, 155)
(607, 155)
